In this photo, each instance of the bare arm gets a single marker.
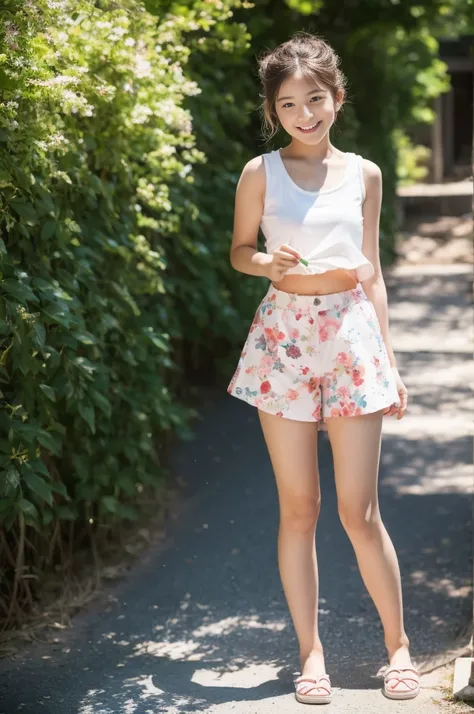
(249, 199)
(249, 205)
(374, 287)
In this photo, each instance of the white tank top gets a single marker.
(325, 226)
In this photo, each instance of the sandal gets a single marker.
(396, 673)
(310, 683)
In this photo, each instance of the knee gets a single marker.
(359, 521)
(301, 514)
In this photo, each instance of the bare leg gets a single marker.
(292, 446)
(355, 443)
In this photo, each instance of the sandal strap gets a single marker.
(400, 670)
(391, 676)
(314, 684)
(315, 680)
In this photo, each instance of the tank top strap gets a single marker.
(273, 177)
(359, 175)
(272, 162)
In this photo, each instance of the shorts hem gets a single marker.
(268, 411)
(322, 423)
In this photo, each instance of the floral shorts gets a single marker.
(308, 358)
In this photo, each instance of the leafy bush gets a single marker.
(97, 196)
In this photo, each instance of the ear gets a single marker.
(339, 99)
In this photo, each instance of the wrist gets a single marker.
(262, 260)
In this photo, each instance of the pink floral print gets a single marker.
(311, 359)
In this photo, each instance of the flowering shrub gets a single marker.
(96, 172)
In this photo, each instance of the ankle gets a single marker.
(315, 653)
(402, 643)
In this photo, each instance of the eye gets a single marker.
(316, 96)
(287, 105)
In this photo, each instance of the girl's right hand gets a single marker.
(280, 261)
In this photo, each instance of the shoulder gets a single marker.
(253, 173)
(372, 172)
(372, 176)
(255, 167)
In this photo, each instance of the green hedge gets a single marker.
(98, 194)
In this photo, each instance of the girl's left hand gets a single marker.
(398, 409)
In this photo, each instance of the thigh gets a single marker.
(292, 446)
(355, 443)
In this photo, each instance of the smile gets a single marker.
(309, 128)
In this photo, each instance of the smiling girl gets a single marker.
(318, 352)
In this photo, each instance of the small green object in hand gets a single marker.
(304, 261)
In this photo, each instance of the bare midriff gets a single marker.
(333, 281)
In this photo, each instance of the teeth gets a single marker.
(306, 128)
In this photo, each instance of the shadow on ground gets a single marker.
(203, 621)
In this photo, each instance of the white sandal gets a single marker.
(396, 673)
(310, 683)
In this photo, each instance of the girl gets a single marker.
(318, 354)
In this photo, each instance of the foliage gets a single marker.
(97, 181)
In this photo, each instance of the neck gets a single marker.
(319, 152)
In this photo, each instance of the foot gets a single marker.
(400, 658)
(313, 686)
(312, 665)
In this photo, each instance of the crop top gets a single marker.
(325, 226)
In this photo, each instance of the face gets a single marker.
(306, 108)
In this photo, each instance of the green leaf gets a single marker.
(9, 481)
(48, 229)
(27, 432)
(49, 441)
(85, 337)
(48, 391)
(27, 508)
(39, 467)
(58, 312)
(24, 210)
(60, 488)
(39, 334)
(38, 486)
(18, 289)
(158, 342)
(101, 402)
(88, 414)
(47, 515)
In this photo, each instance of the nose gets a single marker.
(307, 113)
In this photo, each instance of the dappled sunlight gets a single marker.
(414, 477)
(245, 676)
(444, 586)
(425, 315)
(230, 624)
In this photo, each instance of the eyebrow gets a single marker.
(313, 91)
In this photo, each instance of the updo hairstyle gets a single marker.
(305, 52)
